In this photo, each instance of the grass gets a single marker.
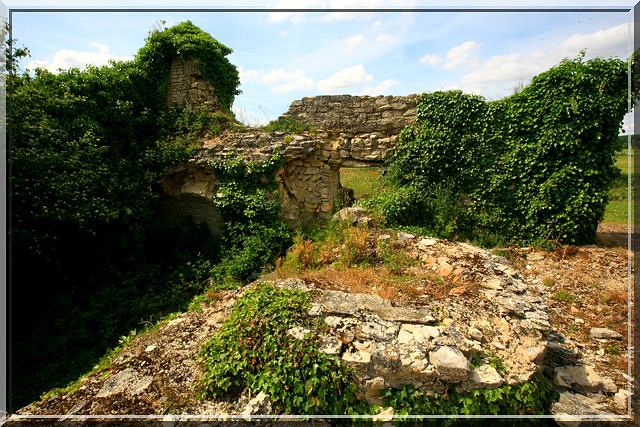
(287, 125)
(564, 296)
(364, 182)
(548, 282)
(616, 211)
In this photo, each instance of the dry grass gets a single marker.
(615, 297)
(368, 280)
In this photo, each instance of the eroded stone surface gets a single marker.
(451, 364)
(583, 379)
(430, 346)
(126, 381)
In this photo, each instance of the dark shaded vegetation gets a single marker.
(92, 258)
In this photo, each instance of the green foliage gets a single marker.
(189, 42)
(287, 125)
(254, 234)
(533, 166)
(435, 208)
(87, 149)
(253, 350)
(564, 296)
(530, 398)
(200, 122)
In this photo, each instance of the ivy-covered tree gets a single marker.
(90, 258)
(533, 166)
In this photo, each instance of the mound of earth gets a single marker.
(490, 321)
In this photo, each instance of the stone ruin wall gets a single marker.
(186, 87)
(348, 131)
(358, 131)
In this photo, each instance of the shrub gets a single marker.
(287, 125)
(533, 397)
(254, 233)
(253, 350)
(533, 166)
(188, 42)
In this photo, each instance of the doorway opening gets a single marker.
(360, 183)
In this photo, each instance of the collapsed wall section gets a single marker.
(348, 131)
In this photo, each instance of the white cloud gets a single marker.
(248, 75)
(296, 80)
(353, 42)
(68, 58)
(612, 41)
(499, 74)
(381, 88)
(345, 78)
(282, 81)
(462, 56)
(384, 38)
(431, 59)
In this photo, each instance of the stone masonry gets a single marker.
(349, 131)
(188, 88)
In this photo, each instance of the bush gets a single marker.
(287, 125)
(87, 149)
(253, 350)
(533, 166)
(254, 233)
(189, 42)
(530, 398)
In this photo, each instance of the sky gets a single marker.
(283, 56)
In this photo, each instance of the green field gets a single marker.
(617, 210)
(366, 182)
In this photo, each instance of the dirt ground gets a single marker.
(589, 287)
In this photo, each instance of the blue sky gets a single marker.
(285, 56)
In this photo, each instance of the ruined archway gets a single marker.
(349, 132)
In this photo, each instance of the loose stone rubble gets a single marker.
(439, 344)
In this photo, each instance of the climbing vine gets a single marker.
(89, 247)
(189, 42)
(536, 165)
(254, 233)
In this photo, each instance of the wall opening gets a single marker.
(360, 183)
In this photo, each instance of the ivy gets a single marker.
(253, 350)
(254, 233)
(189, 42)
(90, 250)
(530, 398)
(534, 166)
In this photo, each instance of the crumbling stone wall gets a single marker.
(349, 131)
(385, 115)
(188, 88)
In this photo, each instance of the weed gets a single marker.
(529, 398)
(253, 350)
(548, 281)
(564, 296)
(287, 125)
(612, 349)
